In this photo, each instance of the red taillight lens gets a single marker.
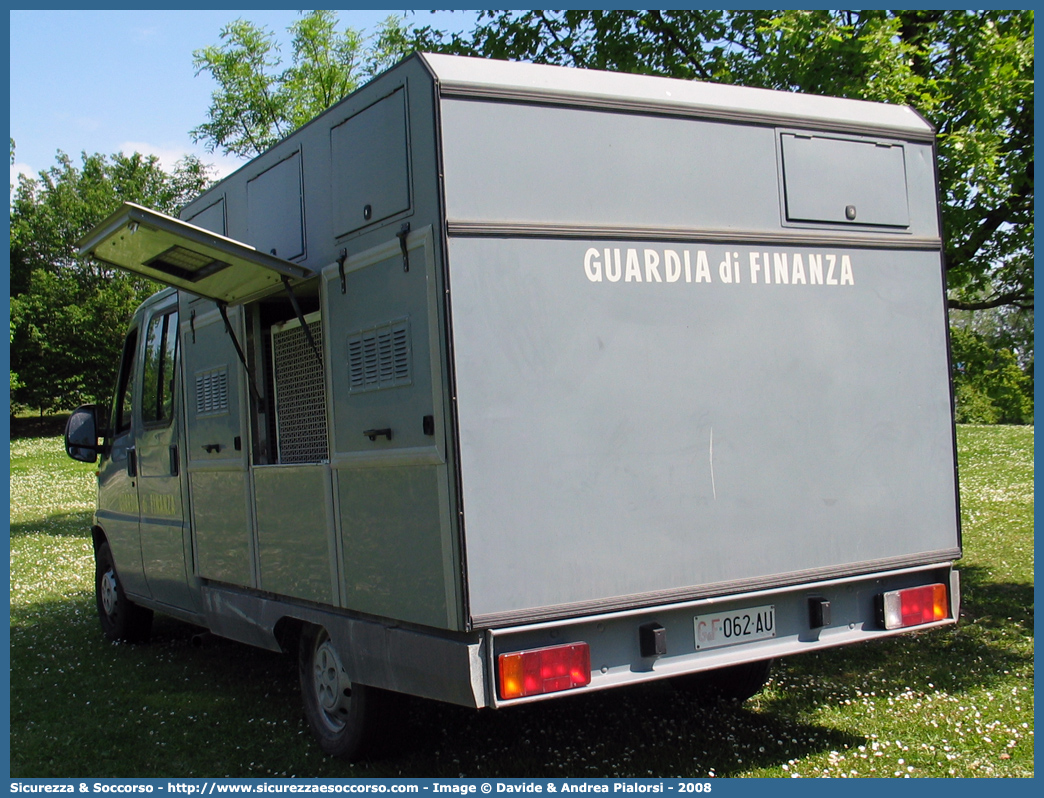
(544, 670)
(914, 606)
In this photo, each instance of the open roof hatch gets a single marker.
(188, 257)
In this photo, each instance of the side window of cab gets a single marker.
(157, 387)
(123, 408)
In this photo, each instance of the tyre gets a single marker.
(349, 720)
(734, 684)
(121, 619)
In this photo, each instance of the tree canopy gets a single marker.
(970, 73)
(258, 102)
(68, 316)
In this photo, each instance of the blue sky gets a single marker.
(110, 81)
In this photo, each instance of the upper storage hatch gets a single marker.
(844, 181)
(187, 257)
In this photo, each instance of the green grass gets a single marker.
(949, 702)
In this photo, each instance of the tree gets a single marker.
(258, 102)
(969, 72)
(67, 315)
(988, 384)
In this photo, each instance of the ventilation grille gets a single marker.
(379, 357)
(212, 392)
(300, 394)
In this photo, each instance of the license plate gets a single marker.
(736, 626)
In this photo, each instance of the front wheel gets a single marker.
(347, 719)
(121, 619)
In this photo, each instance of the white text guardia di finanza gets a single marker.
(616, 265)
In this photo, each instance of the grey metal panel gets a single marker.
(216, 465)
(221, 526)
(686, 433)
(381, 298)
(445, 667)
(542, 83)
(392, 543)
(531, 164)
(275, 209)
(844, 181)
(398, 557)
(212, 373)
(294, 529)
(921, 189)
(211, 218)
(370, 165)
(715, 590)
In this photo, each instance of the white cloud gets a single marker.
(168, 155)
(21, 169)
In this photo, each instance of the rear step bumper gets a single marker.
(740, 628)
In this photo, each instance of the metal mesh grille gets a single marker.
(300, 394)
(379, 357)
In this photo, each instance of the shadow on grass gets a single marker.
(995, 603)
(992, 639)
(227, 709)
(64, 525)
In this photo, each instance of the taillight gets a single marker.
(544, 670)
(898, 609)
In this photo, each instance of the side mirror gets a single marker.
(81, 435)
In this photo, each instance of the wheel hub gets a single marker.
(331, 684)
(108, 592)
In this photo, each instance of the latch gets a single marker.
(373, 434)
(401, 235)
(340, 269)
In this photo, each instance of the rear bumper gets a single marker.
(614, 639)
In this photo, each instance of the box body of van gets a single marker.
(498, 382)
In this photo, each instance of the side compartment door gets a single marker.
(217, 442)
(165, 544)
(397, 542)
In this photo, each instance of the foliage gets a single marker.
(68, 316)
(969, 72)
(1005, 327)
(258, 103)
(949, 702)
(988, 384)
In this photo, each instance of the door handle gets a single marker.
(132, 462)
(173, 461)
(210, 448)
(373, 434)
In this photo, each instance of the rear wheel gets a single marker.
(735, 683)
(347, 719)
(121, 619)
